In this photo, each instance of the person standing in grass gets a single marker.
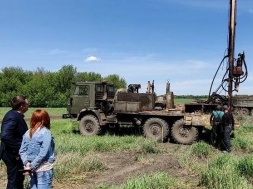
(228, 124)
(37, 151)
(12, 130)
(217, 128)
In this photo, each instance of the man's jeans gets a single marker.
(227, 131)
(15, 177)
(41, 180)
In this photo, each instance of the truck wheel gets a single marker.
(236, 111)
(89, 126)
(156, 128)
(184, 134)
(244, 112)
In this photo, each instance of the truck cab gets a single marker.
(89, 95)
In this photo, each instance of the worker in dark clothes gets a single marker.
(228, 125)
(217, 129)
(12, 130)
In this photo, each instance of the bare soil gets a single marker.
(122, 166)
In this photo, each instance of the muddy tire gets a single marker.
(244, 112)
(89, 126)
(156, 129)
(184, 134)
(236, 111)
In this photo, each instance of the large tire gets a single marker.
(236, 111)
(156, 128)
(244, 112)
(89, 126)
(184, 134)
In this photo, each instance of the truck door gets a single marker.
(80, 99)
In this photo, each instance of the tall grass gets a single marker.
(201, 149)
(243, 135)
(227, 171)
(245, 166)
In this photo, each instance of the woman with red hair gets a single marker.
(37, 151)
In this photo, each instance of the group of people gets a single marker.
(222, 122)
(27, 151)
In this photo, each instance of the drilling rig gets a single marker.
(236, 71)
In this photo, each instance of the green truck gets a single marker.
(97, 106)
(243, 105)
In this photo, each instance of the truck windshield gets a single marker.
(82, 90)
(110, 88)
(99, 88)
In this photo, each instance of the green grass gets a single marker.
(76, 163)
(243, 140)
(227, 171)
(59, 111)
(201, 150)
(185, 100)
(152, 181)
(52, 111)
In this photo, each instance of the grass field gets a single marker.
(184, 100)
(54, 112)
(129, 161)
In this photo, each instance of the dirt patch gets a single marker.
(121, 166)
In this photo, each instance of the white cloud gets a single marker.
(92, 59)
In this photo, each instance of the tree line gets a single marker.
(44, 88)
(50, 89)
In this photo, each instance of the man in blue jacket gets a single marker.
(12, 130)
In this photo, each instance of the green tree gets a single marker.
(116, 80)
(90, 76)
(44, 88)
(65, 77)
(13, 81)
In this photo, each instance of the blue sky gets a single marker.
(181, 41)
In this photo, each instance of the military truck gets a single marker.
(96, 106)
(243, 104)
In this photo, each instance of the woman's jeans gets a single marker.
(41, 180)
(227, 131)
